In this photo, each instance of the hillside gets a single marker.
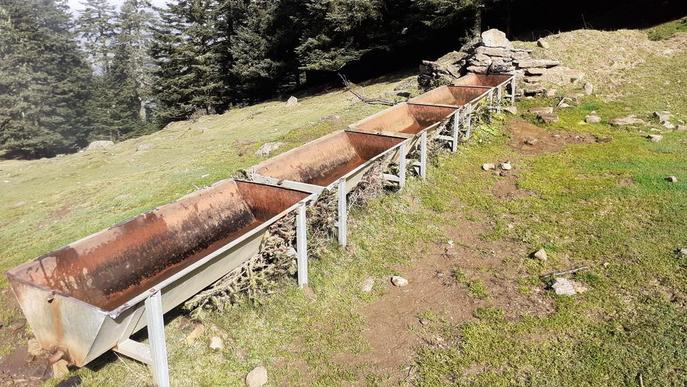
(476, 310)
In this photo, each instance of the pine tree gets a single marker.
(132, 59)
(187, 52)
(44, 80)
(96, 29)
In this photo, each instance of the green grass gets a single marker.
(630, 322)
(474, 286)
(667, 30)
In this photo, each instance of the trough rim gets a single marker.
(116, 312)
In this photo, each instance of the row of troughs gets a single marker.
(94, 294)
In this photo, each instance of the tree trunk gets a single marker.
(477, 26)
(142, 113)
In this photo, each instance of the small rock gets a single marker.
(511, 109)
(60, 369)
(506, 166)
(399, 281)
(268, 148)
(543, 43)
(257, 377)
(195, 334)
(536, 71)
(216, 343)
(541, 255)
(563, 105)
(34, 348)
(292, 101)
(541, 110)
(531, 141)
(627, 121)
(663, 116)
(368, 284)
(488, 166)
(548, 118)
(551, 93)
(682, 128)
(683, 252)
(655, 137)
(669, 125)
(563, 287)
(592, 119)
(423, 322)
(671, 179)
(100, 144)
(541, 63)
(495, 38)
(588, 88)
(143, 147)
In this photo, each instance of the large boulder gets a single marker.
(495, 38)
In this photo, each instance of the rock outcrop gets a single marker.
(493, 53)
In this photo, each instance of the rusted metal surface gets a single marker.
(450, 96)
(487, 80)
(67, 296)
(323, 161)
(404, 118)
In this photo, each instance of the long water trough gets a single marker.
(418, 122)
(338, 162)
(92, 295)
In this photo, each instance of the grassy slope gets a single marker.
(631, 321)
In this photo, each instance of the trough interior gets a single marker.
(110, 267)
(323, 161)
(489, 80)
(405, 118)
(450, 95)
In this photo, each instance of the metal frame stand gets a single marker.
(301, 246)
(499, 98)
(468, 122)
(423, 155)
(402, 162)
(153, 354)
(455, 131)
(343, 213)
(512, 92)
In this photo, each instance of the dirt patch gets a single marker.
(507, 189)
(394, 326)
(530, 139)
(19, 368)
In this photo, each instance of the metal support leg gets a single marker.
(156, 336)
(468, 123)
(343, 213)
(301, 246)
(455, 133)
(499, 98)
(423, 155)
(402, 160)
(491, 99)
(512, 92)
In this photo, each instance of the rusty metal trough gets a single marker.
(497, 83)
(92, 295)
(337, 161)
(417, 122)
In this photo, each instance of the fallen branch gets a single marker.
(370, 101)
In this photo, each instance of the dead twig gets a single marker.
(559, 273)
(371, 101)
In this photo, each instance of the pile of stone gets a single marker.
(493, 53)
